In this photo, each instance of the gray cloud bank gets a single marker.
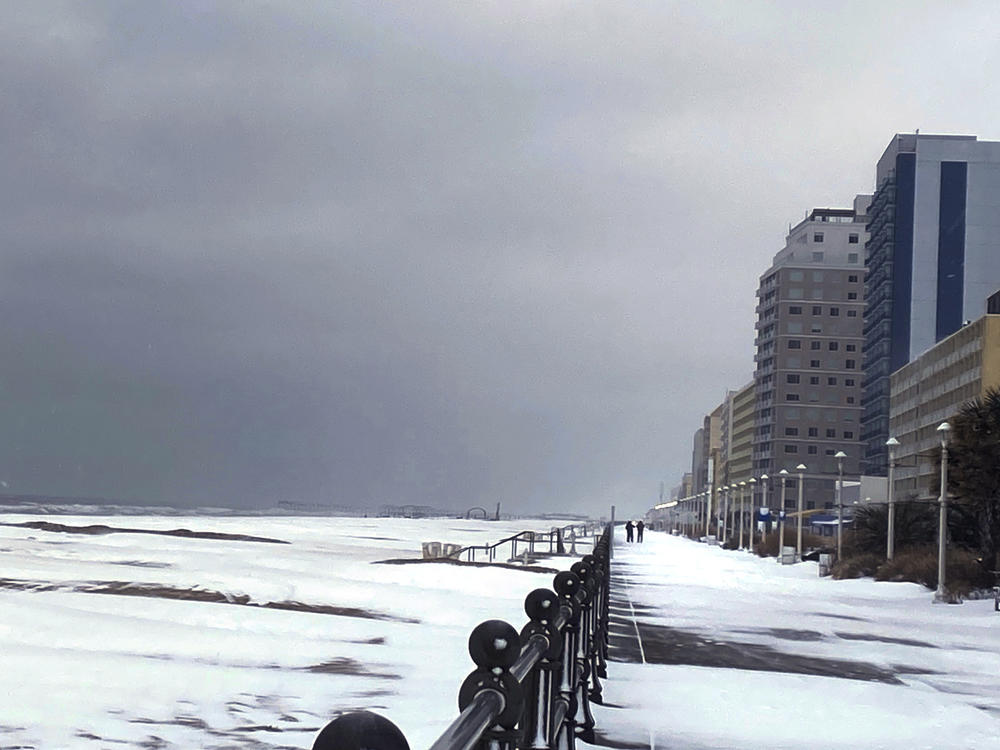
(438, 253)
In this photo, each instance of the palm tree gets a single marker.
(915, 525)
(974, 471)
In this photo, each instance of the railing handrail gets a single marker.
(527, 535)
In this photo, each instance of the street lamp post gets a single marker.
(743, 487)
(781, 522)
(763, 497)
(890, 540)
(720, 524)
(944, 430)
(840, 456)
(752, 482)
(708, 510)
(798, 537)
(732, 509)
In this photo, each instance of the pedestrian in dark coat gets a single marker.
(639, 527)
(628, 530)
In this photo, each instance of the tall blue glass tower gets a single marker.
(932, 257)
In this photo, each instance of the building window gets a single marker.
(795, 310)
(813, 380)
(852, 313)
(831, 433)
(817, 277)
(852, 295)
(793, 363)
(795, 293)
(816, 294)
(817, 237)
(852, 257)
(813, 432)
(796, 276)
(834, 311)
(812, 450)
(830, 452)
(791, 449)
(852, 239)
(791, 397)
(791, 431)
(848, 435)
(814, 363)
(791, 414)
(831, 381)
(851, 347)
(850, 364)
(849, 381)
(816, 328)
(852, 278)
(818, 257)
(833, 346)
(794, 344)
(792, 378)
(850, 399)
(795, 328)
(817, 310)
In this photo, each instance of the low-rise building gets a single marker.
(931, 389)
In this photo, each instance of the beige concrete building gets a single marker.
(739, 465)
(931, 389)
(809, 337)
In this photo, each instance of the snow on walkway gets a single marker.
(717, 649)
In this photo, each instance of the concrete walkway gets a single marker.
(717, 649)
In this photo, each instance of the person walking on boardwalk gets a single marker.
(628, 530)
(638, 529)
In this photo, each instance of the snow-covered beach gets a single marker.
(147, 640)
(138, 666)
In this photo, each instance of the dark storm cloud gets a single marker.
(449, 254)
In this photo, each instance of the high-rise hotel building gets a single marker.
(808, 362)
(933, 257)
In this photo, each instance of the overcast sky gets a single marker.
(442, 253)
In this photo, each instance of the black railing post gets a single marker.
(563, 736)
(543, 608)
(584, 719)
(601, 555)
(494, 647)
(593, 585)
(358, 730)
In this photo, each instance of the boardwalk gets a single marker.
(715, 649)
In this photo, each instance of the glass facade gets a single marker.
(889, 262)
(951, 248)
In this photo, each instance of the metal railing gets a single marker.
(556, 541)
(531, 689)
